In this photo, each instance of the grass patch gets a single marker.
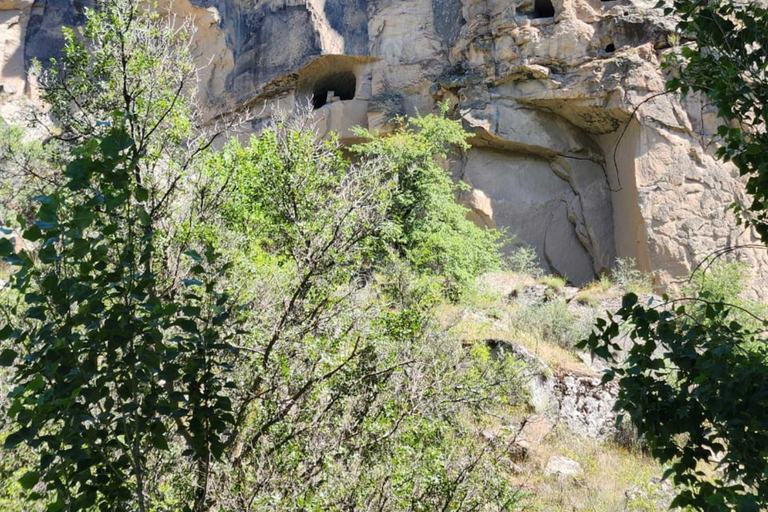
(613, 479)
(557, 283)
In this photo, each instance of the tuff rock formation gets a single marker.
(575, 150)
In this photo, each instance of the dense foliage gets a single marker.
(693, 371)
(424, 224)
(244, 329)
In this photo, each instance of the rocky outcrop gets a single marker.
(575, 399)
(577, 151)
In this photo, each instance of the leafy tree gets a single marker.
(301, 372)
(425, 223)
(109, 354)
(349, 397)
(693, 371)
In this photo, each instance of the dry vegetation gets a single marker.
(614, 478)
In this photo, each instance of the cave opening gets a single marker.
(610, 48)
(543, 9)
(340, 84)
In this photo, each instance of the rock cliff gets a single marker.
(575, 148)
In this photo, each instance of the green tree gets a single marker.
(304, 371)
(693, 371)
(348, 397)
(425, 223)
(108, 352)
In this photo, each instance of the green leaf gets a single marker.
(159, 442)
(30, 479)
(143, 217)
(56, 506)
(194, 255)
(83, 217)
(6, 247)
(116, 142)
(35, 384)
(7, 357)
(629, 300)
(141, 194)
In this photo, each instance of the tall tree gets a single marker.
(109, 349)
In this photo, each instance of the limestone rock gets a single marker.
(586, 406)
(562, 467)
(576, 152)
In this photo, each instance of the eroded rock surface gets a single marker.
(576, 149)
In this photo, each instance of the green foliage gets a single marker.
(726, 61)
(694, 385)
(128, 66)
(111, 357)
(552, 322)
(106, 361)
(626, 275)
(425, 224)
(553, 283)
(360, 399)
(524, 260)
(26, 173)
(304, 371)
(721, 281)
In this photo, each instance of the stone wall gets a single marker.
(576, 151)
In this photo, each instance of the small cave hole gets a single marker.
(340, 85)
(610, 48)
(543, 9)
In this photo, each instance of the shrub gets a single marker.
(524, 260)
(723, 281)
(354, 373)
(626, 275)
(552, 322)
(425, 224)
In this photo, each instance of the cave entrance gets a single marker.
(543, 9)
(339, 85)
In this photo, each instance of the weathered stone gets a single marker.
(562, 467)
(577, 152)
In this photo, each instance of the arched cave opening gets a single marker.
(610, 48)
(543, 9)
(342, 85)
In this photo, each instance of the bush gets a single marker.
(425, 224)
(524, 260)
(341, 339)
(552, 322)
(626, 275)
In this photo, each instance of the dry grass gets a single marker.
(494, 324)
(614, 479)
(609, 471)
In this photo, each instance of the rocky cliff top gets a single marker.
(576, 150)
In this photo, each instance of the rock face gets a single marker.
(576, 151)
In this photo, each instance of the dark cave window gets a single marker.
(342, 83)
(610, 48)
(543, 9)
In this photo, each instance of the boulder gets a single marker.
(562, 468)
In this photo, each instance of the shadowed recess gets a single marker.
(342, 84)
